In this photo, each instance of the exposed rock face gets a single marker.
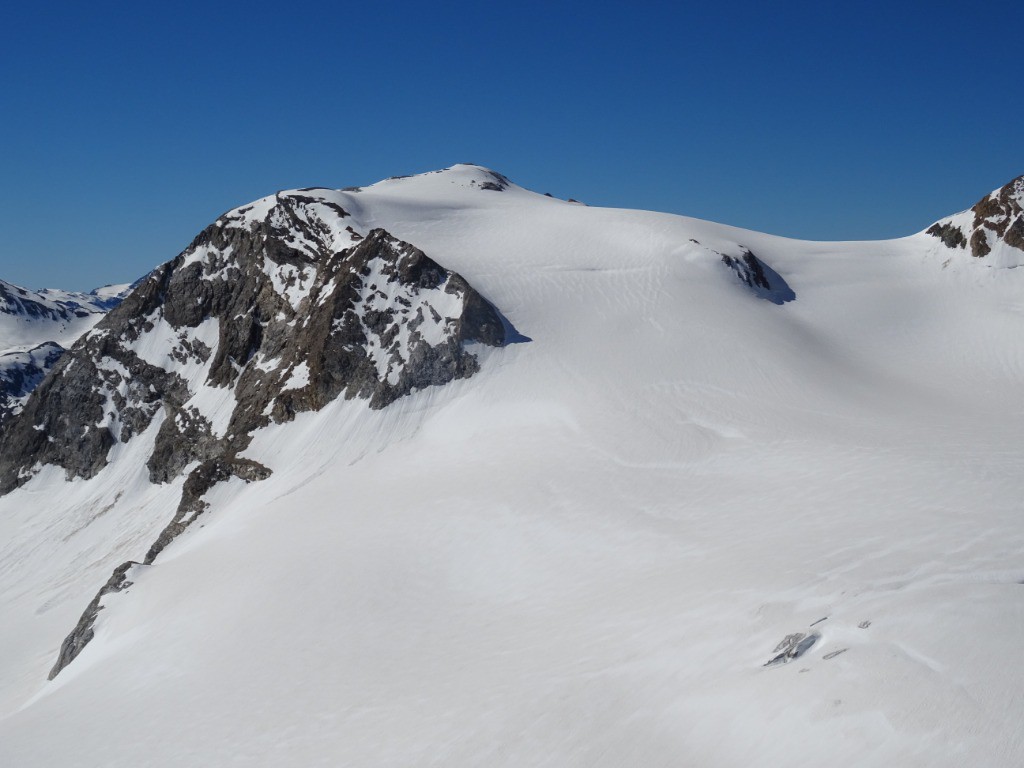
(200, 480)
(35, 328)
(497, 182)
(996, 219)
(951, 236)
(276, 312)
(748, 269)
(276, 308)
(759, 277)
(83, 631)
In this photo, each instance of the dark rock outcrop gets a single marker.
(83, 632)
(200, 480)
(298, 324)
(764, 281)
(996, 218)
(276, 308)
(748, 269)
(951, 236)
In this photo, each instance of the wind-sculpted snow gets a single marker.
(992, 229)
(215, 338)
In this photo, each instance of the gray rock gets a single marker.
(299, 326)
(792, 647)
(998, 217)
(200, 480)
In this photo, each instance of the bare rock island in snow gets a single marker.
(993, 227)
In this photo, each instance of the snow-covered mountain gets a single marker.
(443, 471)
(36, 327)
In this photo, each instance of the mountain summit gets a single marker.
(441, 470)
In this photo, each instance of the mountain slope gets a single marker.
(585, 552)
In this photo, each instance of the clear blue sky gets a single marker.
(126, 129)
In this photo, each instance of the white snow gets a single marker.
(431, 310)
(585, 553)
(290, 281)
(298, 378)
(69, 315)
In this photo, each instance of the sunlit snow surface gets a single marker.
(584, 554)
(29, 318)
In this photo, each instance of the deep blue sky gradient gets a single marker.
(126, 129)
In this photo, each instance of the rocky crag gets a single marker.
(276, 308)
(996, 222)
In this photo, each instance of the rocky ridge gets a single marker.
(996, 222)
(276, 308)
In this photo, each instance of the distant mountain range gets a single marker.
(35, 329)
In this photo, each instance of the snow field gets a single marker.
(585, 553)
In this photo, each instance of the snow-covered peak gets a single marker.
(335, 211)
(277, 308)
(992, 229)
(28, 318)
(460, 175)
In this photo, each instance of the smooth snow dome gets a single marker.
(586, 553)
